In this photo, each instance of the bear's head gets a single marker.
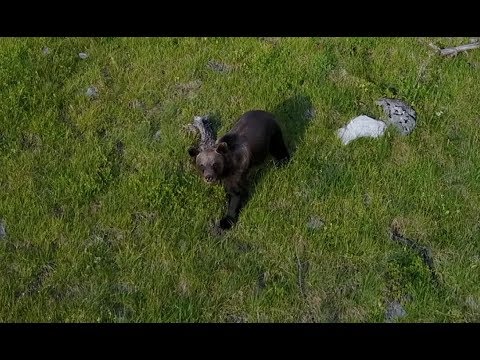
(210, 162)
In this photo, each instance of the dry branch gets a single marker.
(452, 51)
(204, 127)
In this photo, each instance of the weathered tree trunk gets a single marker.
(203, 126)
(452, 51)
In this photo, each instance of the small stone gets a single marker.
(157, 135)
(399, 114)
(125, 288)
(361, 126)
(92, 92)
(310, 113)
(3, 232)
(137, 104)
(31, 141)
(82, 55)
(262, 280)
(218, 66)
(188, 89)
(471, 303)
(395, 310)
(191, 85)
(271, 40)
(242, 246)
(234, 318)
(46, 51)
(183, 287)
(315, 222)
(367, 199)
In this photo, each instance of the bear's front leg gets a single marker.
(237, 195)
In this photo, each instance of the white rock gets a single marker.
(361, 126)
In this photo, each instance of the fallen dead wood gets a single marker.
(453, 51)
(203, 126)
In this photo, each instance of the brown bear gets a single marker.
(255, 136)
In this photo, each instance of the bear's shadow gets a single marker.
(294, 115)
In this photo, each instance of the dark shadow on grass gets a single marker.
(294, 115)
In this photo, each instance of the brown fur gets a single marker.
(255, 136)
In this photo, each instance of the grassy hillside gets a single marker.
(103, 219)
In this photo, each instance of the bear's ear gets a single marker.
(222, 148)
(193, 151)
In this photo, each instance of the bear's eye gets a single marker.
(202, 167)
(215, 165)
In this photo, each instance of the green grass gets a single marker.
(107, 221)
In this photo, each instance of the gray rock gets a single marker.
(137, 104)
(315, 222)
(235, 318)
(271, 40)
(471, 303)
(191, 85)
(218, 66)
(82, 55)
(262, 281)
(367, 199)
(92, 92)
(188, 89)
(399, 114)
(395, 311)
(3, 231)
(125, 288)
(310, 113)
(31, 141)
(46, 51)
(157, 135)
